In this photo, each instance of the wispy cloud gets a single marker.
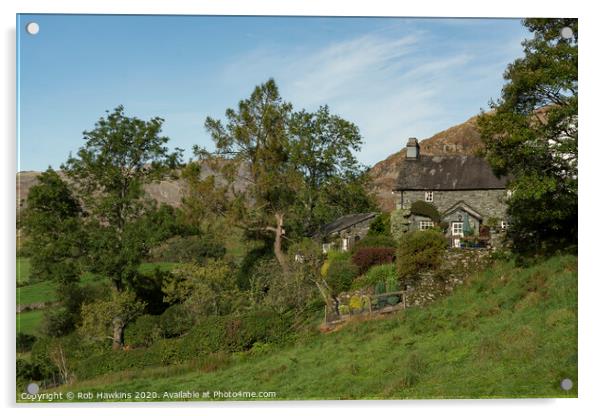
(392, 86)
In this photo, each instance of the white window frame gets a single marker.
(426, 224)
(429, 196)
(457, 231)
(503, 224)
(325, 247)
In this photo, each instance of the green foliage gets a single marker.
(25, 342)
(532, 136)
(175, 321)
(382, 274)
(189, 249)
(341, 272)
(426, 209)
(381, 226)
(477, 335)
(420, 251)
(120, 155)
(52, 221)
(208, 289)
(143, 332)
(99, 317)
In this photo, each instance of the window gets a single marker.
(458, 228)
(428, 196)
(325, 247)
(503, 225)
(425, 225)
(345, 244)
(508, 193)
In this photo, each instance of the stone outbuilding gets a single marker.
(344, 232)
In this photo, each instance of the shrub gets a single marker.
(188, 249)
(420, 251)
(58, 322)
(381, 226)
(143, 332)
(425, 209)
(175, 321)
(380, 274)
(365, 258)
(375, 241)
(340, 272)
(400, 223)
(25, 342)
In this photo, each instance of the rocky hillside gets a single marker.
(460, 139)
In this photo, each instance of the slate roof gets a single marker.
(462, 206)
(344, 222)
(447, 173)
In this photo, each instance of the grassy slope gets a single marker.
(509, 332)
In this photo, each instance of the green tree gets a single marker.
(532, 136)
(106, 319)
(52, 223)
(208, 289)
(297, 168)
(120, 155)
(252, 147)
(322, 149)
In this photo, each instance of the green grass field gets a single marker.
(29, 322)
(43, 292)
(507, 332)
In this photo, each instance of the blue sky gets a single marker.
(394, 77)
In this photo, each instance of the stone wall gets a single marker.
(488, 202)
(458, 264)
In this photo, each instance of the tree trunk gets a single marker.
(279, 231)
(118, 327)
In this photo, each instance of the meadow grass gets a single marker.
(45, 292)
(29, 322)
(23, 270)
(507, 332)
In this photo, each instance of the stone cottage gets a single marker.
(464, 190)
(345, 231)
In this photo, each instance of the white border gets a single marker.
(590, 143)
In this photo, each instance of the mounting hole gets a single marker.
(566, 384)
(32, 28)
(566, 32)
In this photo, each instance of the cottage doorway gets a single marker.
(457, 230)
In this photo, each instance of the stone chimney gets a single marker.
(412, 149)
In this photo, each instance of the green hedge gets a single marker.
(426, 209)
(213, 334)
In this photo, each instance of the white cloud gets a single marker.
(392, 87)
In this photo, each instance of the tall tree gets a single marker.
(532, 136)
(51, 222)
(252, 147)
(322, 149)
(120, 155)
(282, 167)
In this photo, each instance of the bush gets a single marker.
(364, 258)
(175, 321)
(381, 226)
(340, 272)
(58, 322)
(188, 249)
(420, 251)
(375, 241)
(426, 209)
(382, 274)
(143, 332)
(25, 342)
